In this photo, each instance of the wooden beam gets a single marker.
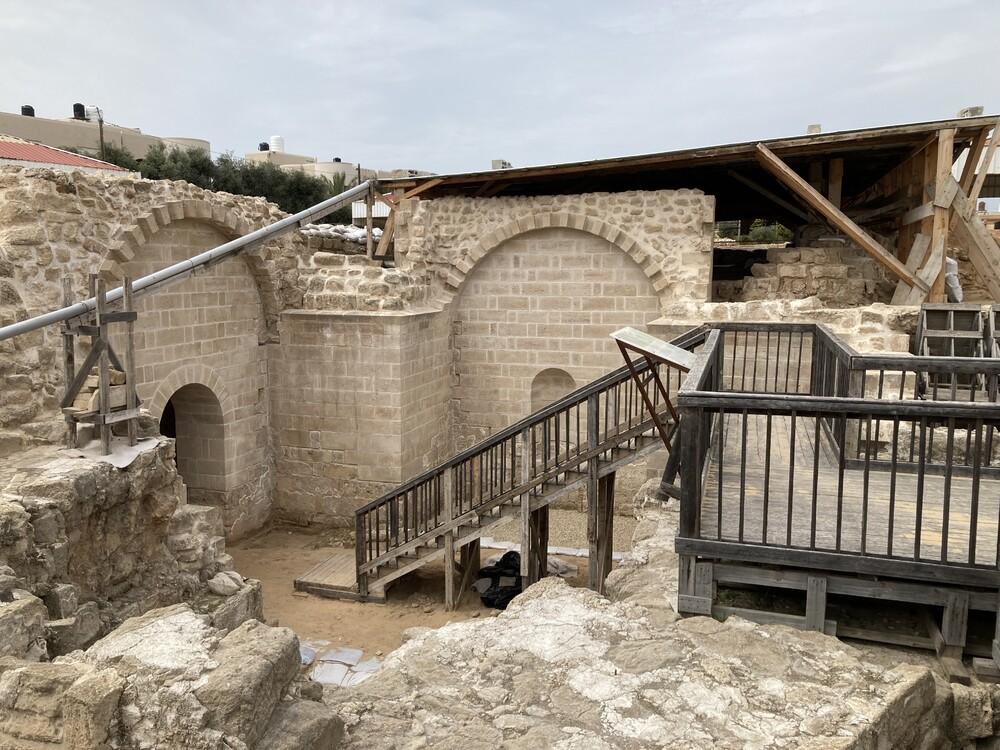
(423, 187)
(382, 251)
(795, 210)
(973, 158)
(984, 253)
(369, 223)
(919, 213)
(977, 186)
(385, 199)
(835, 184)
(834, 215)
(944, 160)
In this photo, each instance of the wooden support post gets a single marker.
(816, 175)
(369, 222)
(447, 491)
(541, 523)
(816, 604)
(593, 481)
(526, 470)
(955, 624)
(996, 636)
(359, 553)
(130, 383)
(69, 359)
(834, 215)
(471, 561)
(977, 186)
(944, 159)
(605, 533)
(972, 159)
(103, 368)
(835, 184)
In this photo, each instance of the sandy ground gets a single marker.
(277, 556)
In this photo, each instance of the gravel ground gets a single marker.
(568, 528)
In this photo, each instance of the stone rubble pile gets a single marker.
(85, 545)
(566, 668)
(169, 679)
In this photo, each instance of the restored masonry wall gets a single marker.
(668, 233)
(358, 405)
(302, 383)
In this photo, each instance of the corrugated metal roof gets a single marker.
(359, 210)
(17, 149)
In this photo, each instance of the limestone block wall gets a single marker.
(358, 404)
(668, 233)
(544, 300)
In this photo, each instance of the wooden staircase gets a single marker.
(575, 444)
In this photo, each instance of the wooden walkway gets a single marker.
(869, 500)
(336, 577)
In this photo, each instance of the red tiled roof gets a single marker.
(21, 150)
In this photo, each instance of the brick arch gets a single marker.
(188, 374)
(131, 239)
(556, 219)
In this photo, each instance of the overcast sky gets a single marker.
(447, 86)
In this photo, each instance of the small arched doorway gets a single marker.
(550, 385)
(193, 417)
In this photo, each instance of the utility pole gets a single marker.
(100, 130)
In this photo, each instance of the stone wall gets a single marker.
(358, 405)
(668, 233)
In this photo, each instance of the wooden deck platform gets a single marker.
(336, 578)
(869, 501)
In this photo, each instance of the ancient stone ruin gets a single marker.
(412, 392)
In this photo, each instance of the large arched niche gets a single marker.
(544, 299)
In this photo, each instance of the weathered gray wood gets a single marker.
(593, 483)
(815, 603)
(130, 398)
(955, 622)
(448, 497)
(840, 562)
(103, 366)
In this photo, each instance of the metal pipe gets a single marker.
(184, 267)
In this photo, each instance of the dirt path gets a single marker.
(279, 555)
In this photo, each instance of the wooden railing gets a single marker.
(546, 447)
(830, 459)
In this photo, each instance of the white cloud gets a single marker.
(450, 85)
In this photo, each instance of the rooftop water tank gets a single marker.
(79, 112)
(27, 110)
(263, 146)
(278, 143)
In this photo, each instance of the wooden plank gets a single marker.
(646, 343)
(382, 251)
(944, 159)
(955, 622)
(977, 186)
(915, 259)
(422, 187)
(969, 231)
(130, 398)
(369, 223)
(835, 181)
(815, 603)
(919, 213)
(69, 363)
(776, 199)
(834, 215)
(103, 366)
(448, 496)
(973, 157)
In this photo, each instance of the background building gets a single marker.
(83, 131)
